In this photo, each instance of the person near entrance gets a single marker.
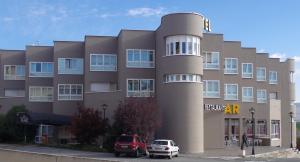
(244, 141)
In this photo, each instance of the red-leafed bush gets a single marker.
(87, 125)
(137, 115)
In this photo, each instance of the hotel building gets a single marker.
(204, 86)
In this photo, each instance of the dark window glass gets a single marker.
(125, 139)
(183, 44)
(177, 48)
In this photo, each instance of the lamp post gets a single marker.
(104, 107)
(252, 111)
(291, 115)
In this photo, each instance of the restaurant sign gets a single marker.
(227, 109)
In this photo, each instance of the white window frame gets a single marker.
(41, 74)
(275, 129)
(211, 66)
(140, 92)
(261, 100)
(70, 71)
(206, 92)
(140, 63)
(261, 128)
(259, 78)
(192, 45)
(70, 96)
(246, 74)
(247, 98)
(226, 95)
(40, 98)
(14, 76)
(189, 78)
(103, 67)
(228, 70)
(273, 81)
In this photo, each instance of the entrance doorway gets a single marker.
(232, 132)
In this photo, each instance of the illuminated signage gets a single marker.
(230, 109)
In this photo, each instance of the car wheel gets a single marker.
(117, 154)
(151, 156)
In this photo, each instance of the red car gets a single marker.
(130, 145)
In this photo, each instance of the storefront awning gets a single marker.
(47, 118)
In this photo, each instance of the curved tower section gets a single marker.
(179, 70)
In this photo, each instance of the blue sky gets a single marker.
(270, 26)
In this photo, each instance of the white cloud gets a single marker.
(145, 11)
(281, 56)
(297, 59)
(8, 19)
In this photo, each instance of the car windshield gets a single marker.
(125, 139)
(160, 142)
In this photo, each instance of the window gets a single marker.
(211, 88)
(140, 87)
(70, 66)
(273, 77)
(261, 96)
(274, 95)
(275, 129)
(292, 79)
(41, 69)
(231, 92)
(70, 92)
(103, 62)
(211, 60)
(169, 78)
(261, 128)
(231, 66)
(40, 94)
(182, 45)
(103, 87)
(247, 94)
(140, 58)
(260, 74)
(14, 72)
(14, 92)
(247, 70)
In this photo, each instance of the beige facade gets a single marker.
(204, 85)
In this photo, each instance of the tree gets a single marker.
(87, 125)
(137, 115)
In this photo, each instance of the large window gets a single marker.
(41, 69)
(231, 66)
(247, 70)
(231, 92)
(261, 74)
(70, 92)
(40, 94)
(170, 78)
(273, 77)
(261, 96)
(140, 58)
(211, 88)
(140, 87)
(275, 128)
(247, 94)
(14, 72)
(14, 92)
(70, 66)
(261, 128)
(182, 45)
(103, 62)
(211, 60)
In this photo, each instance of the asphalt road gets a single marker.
(111, 157)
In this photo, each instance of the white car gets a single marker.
(162, 147)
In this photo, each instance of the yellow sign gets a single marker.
(232, 109)
(207, 24)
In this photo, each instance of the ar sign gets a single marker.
(232, 109)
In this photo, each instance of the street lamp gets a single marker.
(104, 106)
(291, 115)
(252, 111)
